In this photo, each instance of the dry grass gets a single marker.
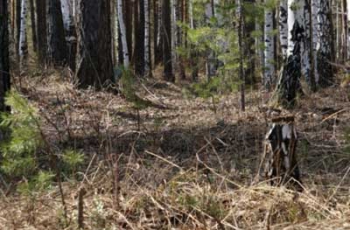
(191, 165)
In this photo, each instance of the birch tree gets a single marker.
(23, 48)
(123, 33)
(94, 56)
(4, 54)
(269, 53)
(324, 51)
(306, 44)
(315, 4)
(289, 80)
(67, 14)
(283, 27)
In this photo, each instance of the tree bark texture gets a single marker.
(4, 54)
(94, 57)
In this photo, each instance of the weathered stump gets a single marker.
(279, 158)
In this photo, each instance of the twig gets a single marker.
(165, 160)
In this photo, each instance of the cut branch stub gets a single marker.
(280, 161)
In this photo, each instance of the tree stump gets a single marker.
(279, 158)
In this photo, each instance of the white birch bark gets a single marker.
(283, 27)
(123, 33)
(294, 16)
(315, 36)
(269, 67)
(289, 81)
(160, 23)
(23, 33)
(67, 13)
(147, 37)
(306, 44)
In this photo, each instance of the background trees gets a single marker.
(188, 38)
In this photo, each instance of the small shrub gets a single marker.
(72, 159)
(22, 137)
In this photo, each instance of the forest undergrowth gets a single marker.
(175, 161)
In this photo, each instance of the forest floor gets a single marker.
(183, 162)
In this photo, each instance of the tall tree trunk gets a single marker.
(4, 54)
(174, 34)
(13, 20)
(289, 81)
(324, 53)
(345, 30)
(147, 43)
(193, 54)
(306, 46)
(94, 57)
(18, 26)
(140, 39)
(66, 14)
(70, 31)
(41, 29)
(283, 27)
(128, 14)
(32, 18)
(135, 31)
(159, 32)
(182, 38)
(168, 74)
(56, 41)
(156, 22)
(241, 54)
(23, 47)
(249, 52)
(315, 5)
(269, 67)
(211, 60)
(122, 30)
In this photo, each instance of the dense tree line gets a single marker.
(286, 41)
